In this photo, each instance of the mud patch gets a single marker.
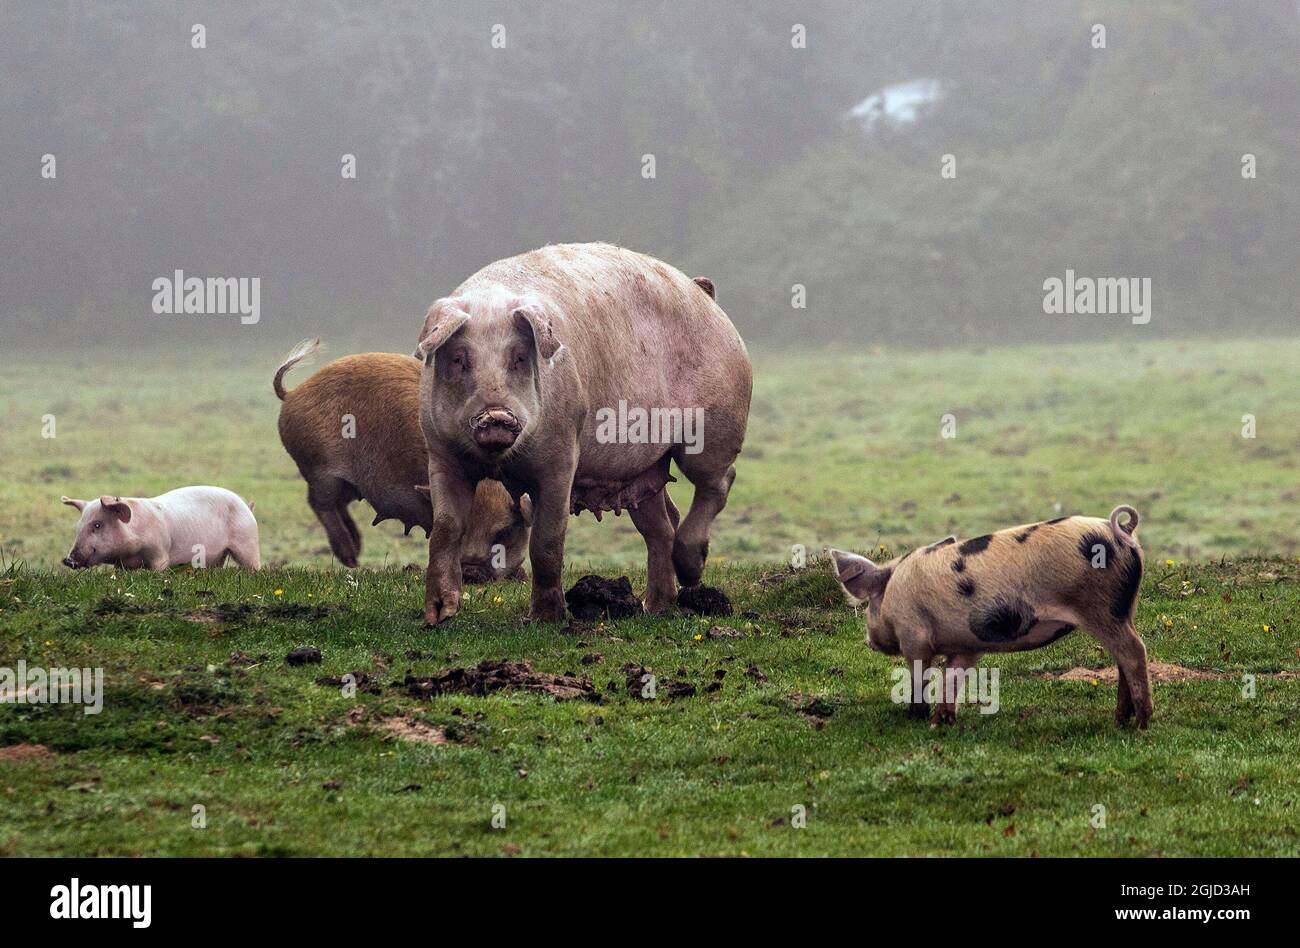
(594, 597)
(488, 677)
(17, 753)
(704, 600)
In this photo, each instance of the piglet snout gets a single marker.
(495, 429)
(70, 563)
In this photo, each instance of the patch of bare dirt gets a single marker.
(17, 753)
(417, 732)
(487, 677)
(1158, 671)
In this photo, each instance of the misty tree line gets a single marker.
(225, 161)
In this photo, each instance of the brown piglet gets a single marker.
(353, 429)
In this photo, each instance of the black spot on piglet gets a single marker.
(965, 586)
(1088, 547)
(975, 545)
(1130, 579)
(1023, 535)
(1002, 620)
(958, 565)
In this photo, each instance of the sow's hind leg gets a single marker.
(655, 523)
(712, 472)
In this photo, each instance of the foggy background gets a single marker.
(774, 165)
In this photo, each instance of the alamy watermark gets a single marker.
(179, 295)
(31, 684)
(636, 425)
(978, 686)
(1102, 296)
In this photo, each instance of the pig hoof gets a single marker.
(547, 606)
(919, 710)
(658, 605)
(441, 610)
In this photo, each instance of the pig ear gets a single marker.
(705, 284)
(860, 577)
(526, 509)
(79, 504)
(533, 316)
(444, 318)
(117, 507)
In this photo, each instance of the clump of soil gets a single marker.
(636, 680)
(304, 656)
(811, 706)
(704, 600)
(241, 658)
(487, 677)
(722, 632)
(594, 597)
(362, 680)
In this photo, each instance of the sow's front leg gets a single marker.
(451, 497)
(546, 546)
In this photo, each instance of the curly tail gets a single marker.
(1126, 531)
(299, 352)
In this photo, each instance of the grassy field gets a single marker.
(201, 708)
(843, 449)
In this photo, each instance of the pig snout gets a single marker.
(495, 429)
(71, 562)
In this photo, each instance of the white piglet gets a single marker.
(189, 525)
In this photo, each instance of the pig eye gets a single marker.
(96, 525)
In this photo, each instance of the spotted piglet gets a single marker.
(1010, 591)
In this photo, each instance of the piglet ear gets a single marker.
(705, 284)
(533, 317)
(79, 504)
(422, 489)
(444, 319)
(859, 577)
(117, 507)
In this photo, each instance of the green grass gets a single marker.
(281, 767)
(843, 448)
